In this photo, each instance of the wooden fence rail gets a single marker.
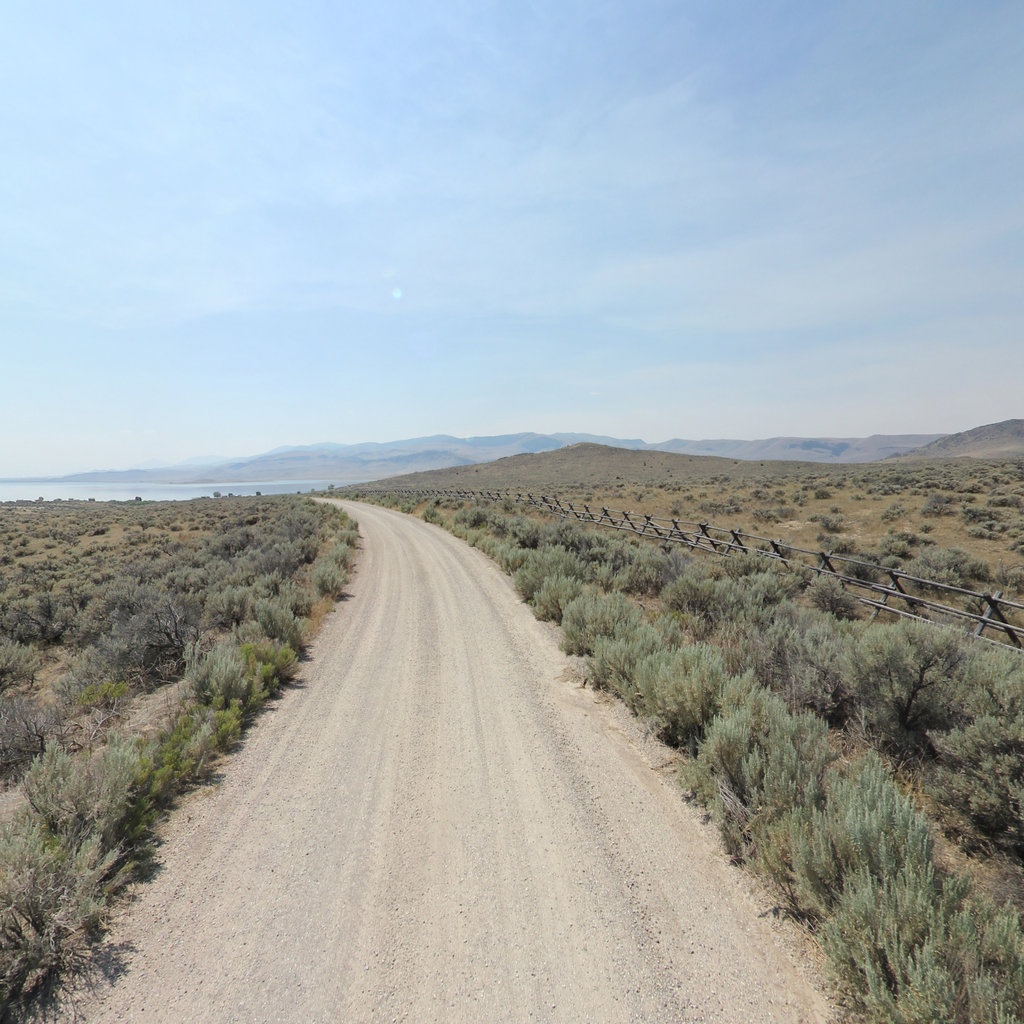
(992, 616)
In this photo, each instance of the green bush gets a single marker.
(341, 551)
(19, 663)
(818, 675)
(905, 942)
(938, 505)
(827, 594)
(106, 696)
(269, 665)
(511, 557)
(693, 594)
(906, 680)
(554, 594)
(298, 598)
(707, 602)
(51, 897)
(886, 945)
(329, 579)
(228, 606)
(219, 678)
(865, 826)
(44, 618)
(829, 523)
(178, 757)
(242, 677)
(680, 690)
(758, 767)
(615, 658)
(472, 518)
(738, 565)
(279, 622)
(951, 566)
(980, 768)
(80, 799)
(591, 615)
(432, 514)
(523, 532)
(644, 573)
(544, 562)
(800, 655)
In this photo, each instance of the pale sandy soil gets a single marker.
(439, 824)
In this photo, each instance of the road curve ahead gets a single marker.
(438, 825)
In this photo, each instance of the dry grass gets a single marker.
(902, 509)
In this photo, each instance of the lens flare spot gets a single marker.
(396, 293)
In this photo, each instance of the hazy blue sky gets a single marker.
(230, 226)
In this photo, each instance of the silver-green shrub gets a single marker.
(50, 896)
(866, 825)
(680, 690)
(612, 665)
(543, 562)
(644, 573)
(980, 766)
(278, 621)
(591, 615)
(228, 605)
(906, 679)
(908, 943)
(757, 766)
(828, 594)
(80, 798)
(219, 678)
(329, 579)
(554, 594)
(19, 663)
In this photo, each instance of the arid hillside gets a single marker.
(991, 441)
(905, 513)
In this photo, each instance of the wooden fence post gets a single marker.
(993, 615)
(711, 540)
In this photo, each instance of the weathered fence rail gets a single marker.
(991, 616)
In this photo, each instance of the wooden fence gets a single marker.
(884, 589)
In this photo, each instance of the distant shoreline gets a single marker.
(50, 489)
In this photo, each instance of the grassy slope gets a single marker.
(892, 505)
(991, 441)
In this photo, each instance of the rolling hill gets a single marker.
(991, 441)
(587, 466)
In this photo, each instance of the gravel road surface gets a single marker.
(439, 824)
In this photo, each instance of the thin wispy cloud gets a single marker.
(238, 228)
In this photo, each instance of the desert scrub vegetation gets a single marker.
(871, 771)
(102, 604)
(888, 512)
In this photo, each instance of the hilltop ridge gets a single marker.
(372, 460)
(990, 441)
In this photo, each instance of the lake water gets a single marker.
(20, 490)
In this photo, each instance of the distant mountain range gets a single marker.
(356, 463)
(803, 449)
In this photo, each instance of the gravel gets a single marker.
(439, 824)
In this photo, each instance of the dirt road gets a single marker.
(440, 826)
